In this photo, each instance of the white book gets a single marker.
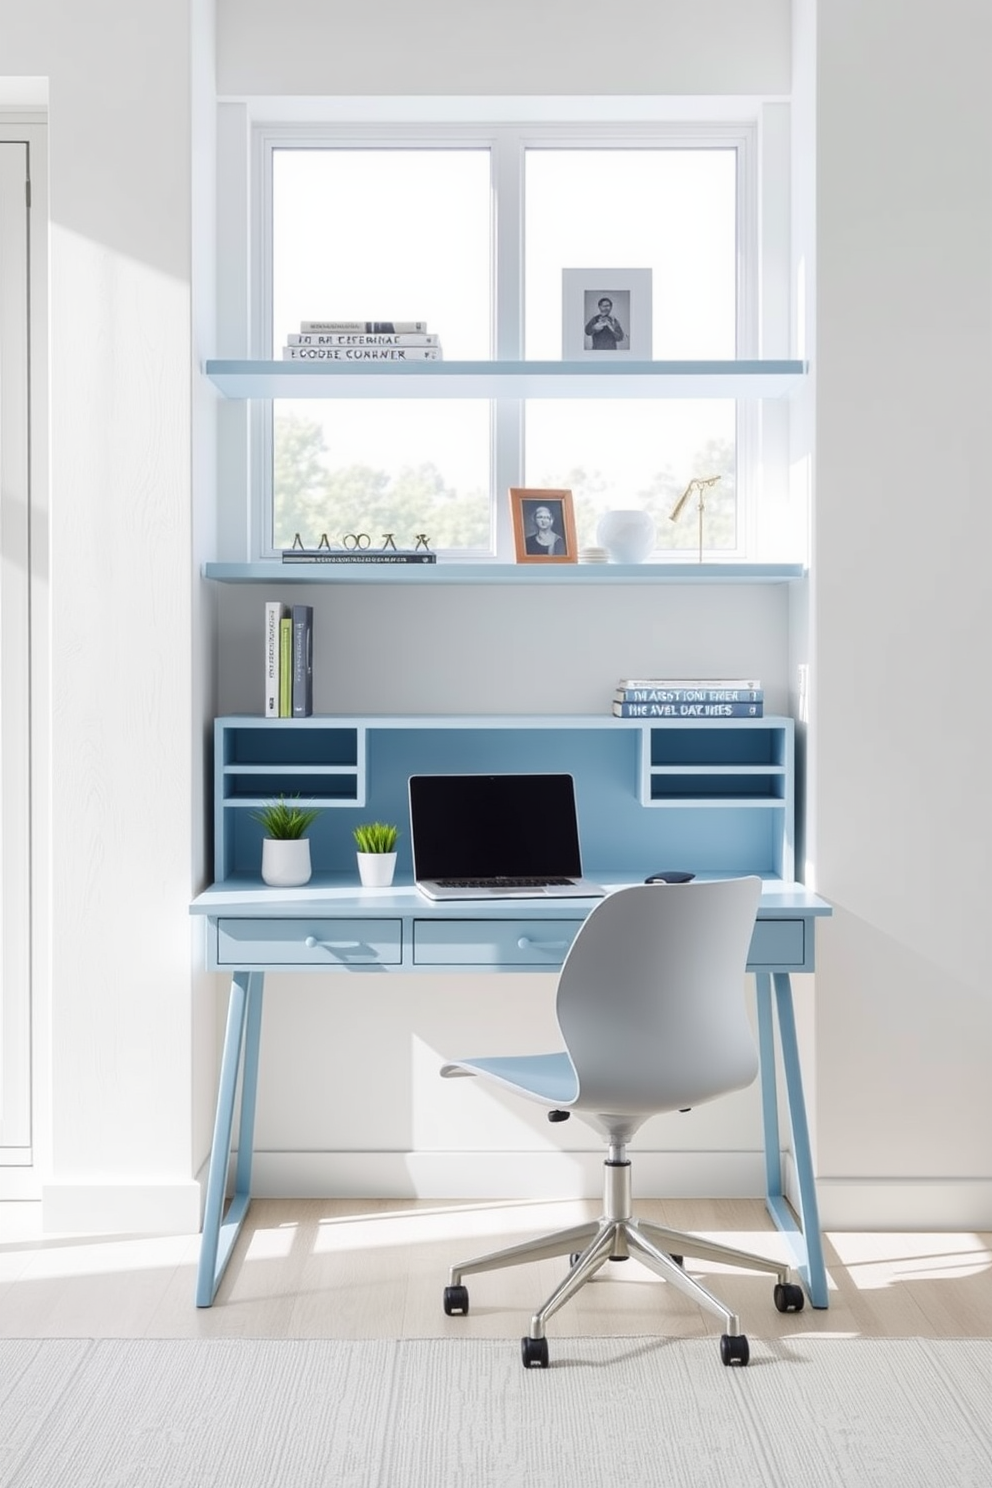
(740, 683)
(388, 326)
(361, 338)
(274, 612)
(361, 353)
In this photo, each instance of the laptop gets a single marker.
(497, 837)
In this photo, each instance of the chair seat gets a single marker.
(543, 1077)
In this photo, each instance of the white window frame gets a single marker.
(762, 292)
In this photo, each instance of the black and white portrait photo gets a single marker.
(605, 317)
(606, 314)
(543, 526)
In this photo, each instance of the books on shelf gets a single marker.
(732, 683)
(286, 666)
(364, 555)
(275, 612)
(288, 660)
(688, 710)
(361, 353)
(402, 327)
(689, 695)
(302, 685)
(361, 338)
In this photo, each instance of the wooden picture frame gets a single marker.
(527, 505)
(627, 297)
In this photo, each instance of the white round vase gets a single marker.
(286, 862)
(376, 869)
(628, 536)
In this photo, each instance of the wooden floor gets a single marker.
(348, 1268)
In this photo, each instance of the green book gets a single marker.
(286, 668)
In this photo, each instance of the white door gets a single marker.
(15, 658)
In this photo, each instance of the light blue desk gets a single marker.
(347, 930)
(715, 797)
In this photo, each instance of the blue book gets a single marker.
(688, 710)
(302, 617)
(661, 694)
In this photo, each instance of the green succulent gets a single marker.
(285, 821)
(376, 837)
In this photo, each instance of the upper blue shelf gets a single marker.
(752, 379)
(272, 572)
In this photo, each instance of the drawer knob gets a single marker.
(343, 948)
(526, 944)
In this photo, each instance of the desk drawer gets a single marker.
(309, 942)
(537, 944)
(778, 943)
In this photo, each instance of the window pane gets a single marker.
(673, 211)
(639, 453)
(404, 466)
(383, 234)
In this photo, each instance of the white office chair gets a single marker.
(650, 1004)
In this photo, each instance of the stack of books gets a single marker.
(689, 697)
(288, 660)
(362, 341)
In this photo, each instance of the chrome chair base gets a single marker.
(616, 1236)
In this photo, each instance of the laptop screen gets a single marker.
(489, 826)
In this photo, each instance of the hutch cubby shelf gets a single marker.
(714, 796)
(505, 379)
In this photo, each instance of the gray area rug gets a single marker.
(241, 1413)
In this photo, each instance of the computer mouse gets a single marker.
(669, 876)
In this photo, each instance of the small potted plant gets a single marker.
(285, 850)
(376, 843)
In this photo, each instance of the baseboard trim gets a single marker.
(938, 1204)
(501, 1175)
(121, 1208)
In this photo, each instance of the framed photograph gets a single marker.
(543, 525)
(606, 315)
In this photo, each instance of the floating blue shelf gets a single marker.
(536, 379)
(272, 571)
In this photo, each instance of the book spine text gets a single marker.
(689, 695)
(360, 338)
(375, 327)
(361, 353)
(286, 666)
(274, 612)
(302, 617)
(688, 710)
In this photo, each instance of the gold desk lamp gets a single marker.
(699, 485)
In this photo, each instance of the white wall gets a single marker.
(121, 787)
(299, 47)
(903, 608)
(902, 389)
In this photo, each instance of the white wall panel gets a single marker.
(300, 47)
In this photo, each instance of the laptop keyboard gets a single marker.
(501, 883)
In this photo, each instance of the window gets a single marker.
(469, 230)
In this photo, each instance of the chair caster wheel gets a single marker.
(534, 1352)
(734, 1349)
(789, 1297)
(455, 1300)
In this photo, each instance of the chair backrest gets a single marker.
(651, 1000)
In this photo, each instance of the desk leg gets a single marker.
(241, 1044)
(807, 1243)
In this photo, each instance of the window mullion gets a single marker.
(508, 325)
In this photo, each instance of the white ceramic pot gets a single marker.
(286, 862)
(376, 869)
(628, 536)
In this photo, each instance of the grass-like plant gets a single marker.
(284, 820)
(376, 837)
